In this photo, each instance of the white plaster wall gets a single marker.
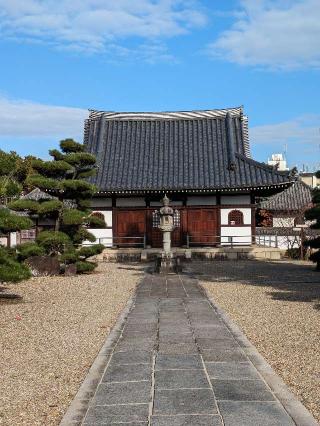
(245, 211)
(131, 202)
(3, 241)
(235, 199)
(242, 235)
(13, 239)
(103, 236)
(107, 216)
(101, 202)
(203, 200)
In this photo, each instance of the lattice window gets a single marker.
(155, 219)
(176, 218)
(235, 218)
(28, 234)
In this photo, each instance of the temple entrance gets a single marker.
(202, 226)
(130, 228)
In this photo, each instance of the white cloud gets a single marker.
(301, 136)
(277, 34)
(27, 119)
(90, 25)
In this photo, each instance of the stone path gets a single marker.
(176, 363)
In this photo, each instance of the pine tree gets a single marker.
(10, 268)
(65, 178)
(314, 215)
(13, 172)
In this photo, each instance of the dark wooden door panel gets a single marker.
(130, 223)
(202, 226)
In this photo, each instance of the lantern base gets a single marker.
(167, 263)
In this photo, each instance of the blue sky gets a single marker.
(61, 58)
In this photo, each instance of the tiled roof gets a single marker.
(195, 150)
(37, 195)
(295, 198)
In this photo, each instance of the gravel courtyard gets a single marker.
(277, 305)
(49, 339)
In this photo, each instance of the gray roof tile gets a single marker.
(175, 151)
(295, 198)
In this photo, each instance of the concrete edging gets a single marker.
(297, 411)
(79, 405)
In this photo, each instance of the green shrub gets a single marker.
(14, 272)
(11, 270)
(72, 217)
(29, 249)
(53, 242)
(42, 182)
(69, 145)
(89, 251)
(85, 267)
(20, 205)
(96, 222)
(9, 187)
(10, 222)
(52, 169)
(81, 158)
(82, 235)
(49, 207)
(70, 256)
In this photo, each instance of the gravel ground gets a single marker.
(277, 305)
(49, 339)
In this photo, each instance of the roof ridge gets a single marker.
(264, 166)
(240, 108)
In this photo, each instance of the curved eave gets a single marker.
(196, 191)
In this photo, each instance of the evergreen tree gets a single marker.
(13, 173)
(314, 215)
(65, 178)
(10, 268)
(9, 185)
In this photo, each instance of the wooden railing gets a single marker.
(206, 240)
(122, 241)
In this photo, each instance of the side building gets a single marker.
(200, 159)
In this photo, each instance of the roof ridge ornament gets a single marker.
(230, 143)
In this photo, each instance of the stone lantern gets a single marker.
(167, 262)
(166, 224)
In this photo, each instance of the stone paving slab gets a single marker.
(176, 362)
(237, 413)
(184, 420)
(184, 401)
(181, 379)
(104, 415)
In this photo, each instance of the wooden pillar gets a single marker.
(218, 198)
(253, 218)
